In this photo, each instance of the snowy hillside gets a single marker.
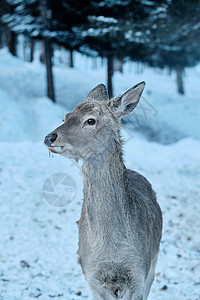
(38, 241)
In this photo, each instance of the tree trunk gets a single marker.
(1, 37)
(12, 42)
(31, 49)
(25, 48)
(71, 58)
(179, 78)
(42, 53)
(109, 75)
(121, 66)
(48, 52)
(48, 62)
(118, 65)
(11, 35)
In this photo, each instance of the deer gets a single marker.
(120, 227)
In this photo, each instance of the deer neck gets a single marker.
(104, 186)
(104, 169)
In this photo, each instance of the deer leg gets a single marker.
(98, 291)
(134, 296)
(136, 290)
(102, 296)
(150, 277)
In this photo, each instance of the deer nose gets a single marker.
(49, 139)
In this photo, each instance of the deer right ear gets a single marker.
(126, 102)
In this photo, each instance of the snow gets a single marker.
(38, 241)
(103, 19)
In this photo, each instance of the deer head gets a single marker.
(94, 125)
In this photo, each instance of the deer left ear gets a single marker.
(126, 102)
(99, 93)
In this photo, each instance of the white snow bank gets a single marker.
(28, 120)
(46, 237)
(162, 114)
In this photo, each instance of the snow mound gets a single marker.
(162, 115)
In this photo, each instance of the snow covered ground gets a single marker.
(38, 241)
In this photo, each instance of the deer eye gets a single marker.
(90, 122)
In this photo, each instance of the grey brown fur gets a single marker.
(121, 222)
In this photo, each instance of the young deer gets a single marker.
(121, 222)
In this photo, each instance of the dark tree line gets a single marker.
(163, 34)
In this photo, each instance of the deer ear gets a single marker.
(126, 102)
(99, 93)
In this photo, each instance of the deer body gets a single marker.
(120, 225)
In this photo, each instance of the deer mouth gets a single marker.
(57, 149)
